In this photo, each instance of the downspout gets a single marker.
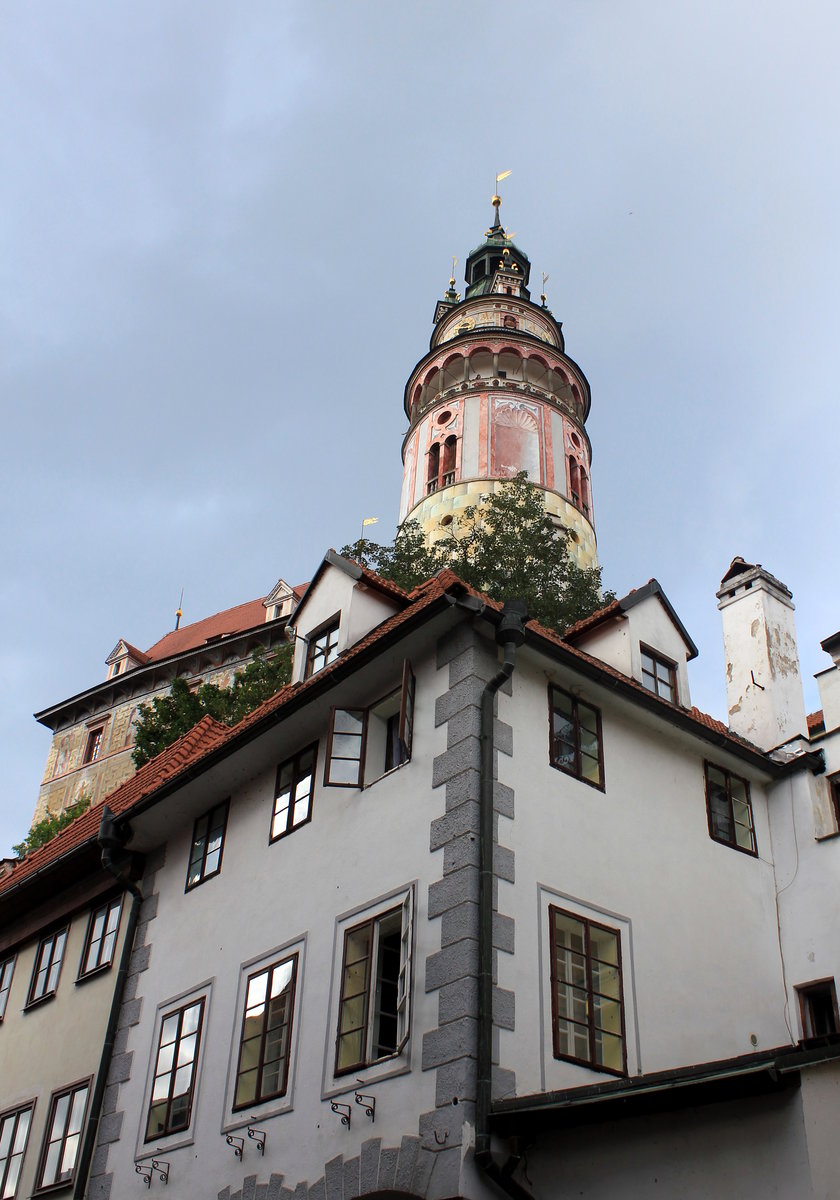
(510, 633)
(111, 838)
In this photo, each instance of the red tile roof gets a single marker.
(139, 656)
(169, 763)
(190, 637)
(613, 609)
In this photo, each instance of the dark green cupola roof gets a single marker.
(496, 252)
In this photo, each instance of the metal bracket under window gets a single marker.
(158, 1165)
(343, 1111)
(258, 1136)
(368, 1103)
(237, 1143)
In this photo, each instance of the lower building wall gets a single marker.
(745, 1149)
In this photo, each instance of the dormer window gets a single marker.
(322, 648)
(659, 675)
(117, 667)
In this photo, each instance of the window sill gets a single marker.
(53, 1188)
(37, 1004)
(734, 846)
(384, 1068)
(264, 1110)
(95, 973)
(599, 787)
(827, 837)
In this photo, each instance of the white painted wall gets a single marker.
(828, 682)
(361, 609)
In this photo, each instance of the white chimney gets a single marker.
(763, 681)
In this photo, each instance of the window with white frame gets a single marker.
(101, 938)
(63, 1136)
(7, 970)
(375, 988)
(47, 966)
(366, 743)
(14, 1132)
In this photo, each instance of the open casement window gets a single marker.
(365, 743)
(47, 967)
(93, 745)
(7, 970)
(576, 744)
(262, 1071)
(818, 1008)
(170, 1108)
(729, 809)
(101, 939)
(63, 1136)
(373, 1016)
(587, 1005)
(14, 1132)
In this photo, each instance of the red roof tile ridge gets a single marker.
(595, 618)
(196, 633)
(140, 655)
(816, 721)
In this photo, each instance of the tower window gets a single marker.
(93, 746)
(433, 468)
(448, 466)
(818, 1008)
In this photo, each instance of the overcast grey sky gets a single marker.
(223, 229)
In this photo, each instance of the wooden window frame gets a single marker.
(833, 782)
(7, 974)
(804, 993)
(15, 1114)
(208, 817)
(407, 690)
(93, 745)
(658, 660)
(332, 625)
(297, 777)
(42, 1188)
(200, 1001)
(32, 999)
(260, 1096)
(102, 963)
(405, 909)
(588, 925)
(577, 772)
(732, 840)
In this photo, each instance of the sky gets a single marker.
(223, 231)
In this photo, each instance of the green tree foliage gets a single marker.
(168, 717)
(507, 546)
(44, 831)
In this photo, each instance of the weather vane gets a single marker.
(545, 279)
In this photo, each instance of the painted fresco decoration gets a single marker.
(516, 439)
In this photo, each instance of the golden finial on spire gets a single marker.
(179, 611)
(497, 199)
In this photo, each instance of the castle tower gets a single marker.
(495, 395)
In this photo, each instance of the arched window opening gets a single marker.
(433, 469)
(448, 465)
(574, 481)
(584, 492)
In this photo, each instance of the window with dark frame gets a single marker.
(47, 967)
(659, 675)
(818, 1008)
(14, 1133)
(101, 938)
(587, 1005)
(93, 745)
(729, 809)
(262, 1072)
(322, 648)
(365, 743)
(207, 844)
(373, 1015)
(7, 970)
(834, 796)
(293, 793)
(576, 744)
(63, 1136)
(170, 1106)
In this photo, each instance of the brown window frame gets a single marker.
(7, 974)
(730, 840)
(806, 992)
(313, 650)
(577, 771)
(207, 816)
(658, 660)
(102, 963)
(47, 993)
(260, 1097)
(297, 777)
(64, 1180)
(405, 733)
(833, 782)
(14, 1114)
(372, 983)
(93, 745)
(588, 925)
(179, 1012)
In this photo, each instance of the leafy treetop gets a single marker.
(506, 546)
(44, 831)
